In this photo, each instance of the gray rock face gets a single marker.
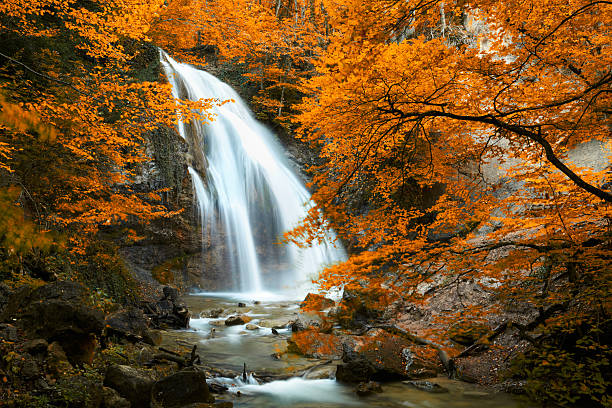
(177, 390)
(133, 384)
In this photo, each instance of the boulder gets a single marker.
(312, 343)
(367, 388)
(130, 324)
(321, 372)
(314, 301)
(112, 399)
(382, 356)
(166, 314)
(251, 326)
(177, 390)
(305, 321)
(427, 386)
(355, 371)
(131, 383)
(58, 312)
(274, 323)
(237, 320)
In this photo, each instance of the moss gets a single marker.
(164, 272)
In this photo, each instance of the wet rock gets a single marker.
(237, 320)
(307, 321)
(131, 383)
(217, 323)
(36, 346)
(240, 304)
(320, 373)
(427, 386)
(177, 390)
(274, 332)
(212, 313)
(314, 301)
(274, 323)
(252, 326)
(257, 302)
(367, 388)
(112, 399)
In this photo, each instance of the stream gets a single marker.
(292, 380)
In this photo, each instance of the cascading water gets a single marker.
(249, 196)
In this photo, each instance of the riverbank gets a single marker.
(61, 348)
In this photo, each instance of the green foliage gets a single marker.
(571, 367)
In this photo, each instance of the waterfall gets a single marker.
(246, 191)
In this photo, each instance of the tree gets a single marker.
(76, 65)
(272, 41)
(416, 103)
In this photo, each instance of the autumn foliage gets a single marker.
(451, 137)
(449, 132)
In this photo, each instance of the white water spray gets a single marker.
(250, 196)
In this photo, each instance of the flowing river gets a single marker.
(278, 379)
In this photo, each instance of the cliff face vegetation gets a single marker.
(458, 145)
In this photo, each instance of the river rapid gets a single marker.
(279, 379)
